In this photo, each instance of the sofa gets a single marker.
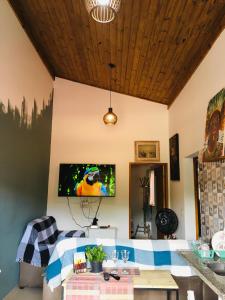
(36, 246)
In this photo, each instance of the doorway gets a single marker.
(148, 192)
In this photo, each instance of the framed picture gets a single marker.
(147, 151)
(214, 146)
(174, 158)
(79, 262)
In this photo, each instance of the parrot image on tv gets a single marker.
(90, 184)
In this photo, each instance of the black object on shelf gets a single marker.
(95, 220)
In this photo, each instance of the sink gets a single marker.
(216, 267)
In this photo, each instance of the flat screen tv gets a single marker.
(86, 180)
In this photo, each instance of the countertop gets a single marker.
(214, 281)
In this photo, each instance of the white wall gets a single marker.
(187, 117)
(22, 72)
(80, 136)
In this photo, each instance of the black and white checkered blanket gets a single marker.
(39, 240)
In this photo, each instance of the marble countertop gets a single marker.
(214, 281)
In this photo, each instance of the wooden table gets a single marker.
(159, 280)
(156, 280)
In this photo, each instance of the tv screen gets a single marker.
(86, 180)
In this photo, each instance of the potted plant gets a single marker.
(95, 255)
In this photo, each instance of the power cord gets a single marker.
(95, 220)
(71, 213)
(89, 210)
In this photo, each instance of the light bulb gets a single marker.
(103, 2)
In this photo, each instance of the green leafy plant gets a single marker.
(95, 254)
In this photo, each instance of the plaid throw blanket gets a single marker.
(94, 287)
(144, 254)
(39, 239)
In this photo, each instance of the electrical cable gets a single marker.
(71, 213)
(89, 211)
(100, 201)
(95, 220)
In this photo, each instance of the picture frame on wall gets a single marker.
(147, 150)
(214, 145)
(174, 158)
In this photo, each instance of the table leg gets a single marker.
(177, 294)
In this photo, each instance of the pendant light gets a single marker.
(103, 11)
(110, 118)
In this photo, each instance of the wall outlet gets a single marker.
(84, 203)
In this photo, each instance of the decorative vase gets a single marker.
(96, 267)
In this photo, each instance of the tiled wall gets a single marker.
(212, 197)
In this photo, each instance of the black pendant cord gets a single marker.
(110, 91)
(111, 66)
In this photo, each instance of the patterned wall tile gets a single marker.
(212, 197)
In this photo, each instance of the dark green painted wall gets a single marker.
(24, 169)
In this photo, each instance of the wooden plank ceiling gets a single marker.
(155, 44)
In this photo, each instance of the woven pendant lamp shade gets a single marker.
(103, 11)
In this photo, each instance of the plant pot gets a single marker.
(96, 267)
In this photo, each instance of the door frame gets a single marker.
(165, 186)
(196, 194)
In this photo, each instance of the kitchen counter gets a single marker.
(214, 281)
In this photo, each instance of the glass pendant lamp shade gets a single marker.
(103, 11)
(110, 118)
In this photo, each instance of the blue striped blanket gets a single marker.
(145, 254)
